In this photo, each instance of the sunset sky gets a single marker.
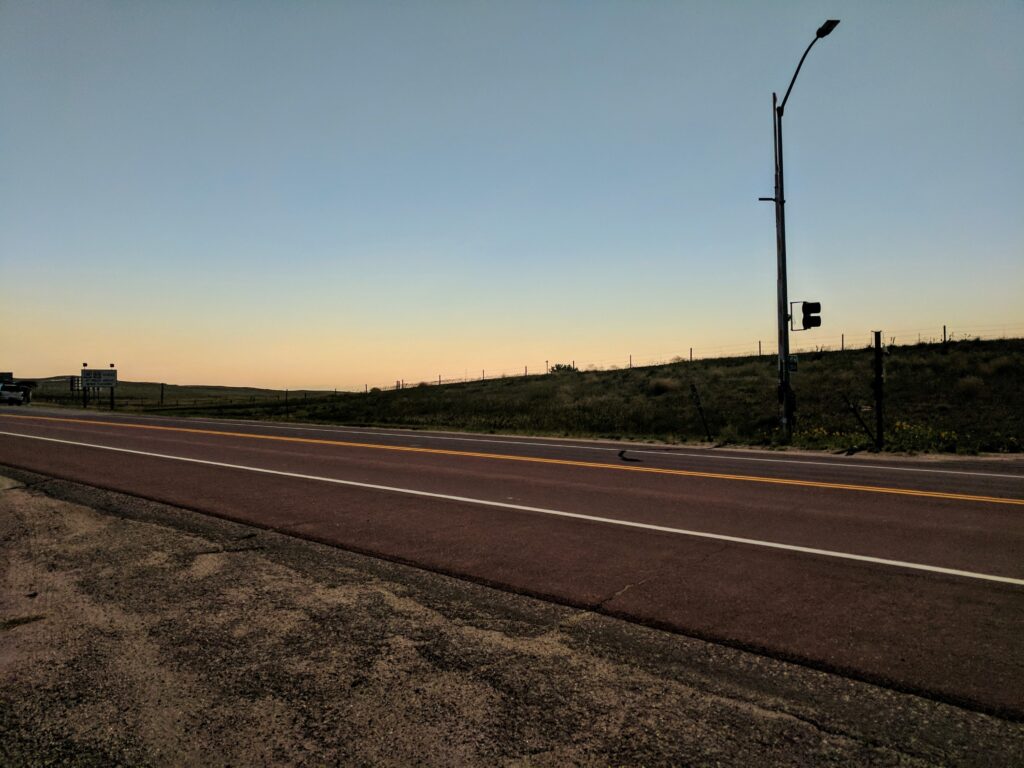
(333, 194)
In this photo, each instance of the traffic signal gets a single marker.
(811, 310)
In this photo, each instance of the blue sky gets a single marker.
(331, 194)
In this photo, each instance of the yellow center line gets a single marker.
(540, 460)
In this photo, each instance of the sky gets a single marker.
(340, 194)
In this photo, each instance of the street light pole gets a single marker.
(787, 400)
(787, 406)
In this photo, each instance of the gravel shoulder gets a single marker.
(137, 633)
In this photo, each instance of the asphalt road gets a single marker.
(906, 573)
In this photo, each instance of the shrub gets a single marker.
(728, 435)
(999, 366)
(969, 387)
(661, 385)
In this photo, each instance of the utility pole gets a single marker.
(787, 400)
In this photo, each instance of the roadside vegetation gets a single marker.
(962, 397)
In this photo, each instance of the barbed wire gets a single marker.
(763, 348)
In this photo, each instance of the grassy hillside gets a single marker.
(965, 397)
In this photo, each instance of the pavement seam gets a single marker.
(719, 451)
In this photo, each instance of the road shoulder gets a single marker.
(138, 633)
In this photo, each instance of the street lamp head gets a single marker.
(827, 27)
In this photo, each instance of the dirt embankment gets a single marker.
(136, 633)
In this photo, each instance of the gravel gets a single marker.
(134, 633)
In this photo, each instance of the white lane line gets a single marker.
(667, 454)
(553, 512)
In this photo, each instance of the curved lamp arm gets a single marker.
(823, 31)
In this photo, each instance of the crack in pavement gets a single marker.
(601, 605)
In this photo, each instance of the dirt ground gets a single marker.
(140, 634)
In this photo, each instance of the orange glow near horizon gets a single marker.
(283, 357)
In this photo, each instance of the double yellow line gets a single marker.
(540, 460)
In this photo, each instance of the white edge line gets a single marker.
(554, 512)
(668, 454)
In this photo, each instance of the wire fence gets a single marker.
(951, 396)
(56, 392)
(101, 400)
(765, 347)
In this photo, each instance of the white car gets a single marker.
(11, 394)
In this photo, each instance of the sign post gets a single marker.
(99, 378)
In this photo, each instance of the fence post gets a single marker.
(879, 393)
(700, 410)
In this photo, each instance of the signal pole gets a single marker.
(787, 404)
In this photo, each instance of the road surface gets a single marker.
(905, 573)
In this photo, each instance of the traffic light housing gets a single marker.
(811, 311)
